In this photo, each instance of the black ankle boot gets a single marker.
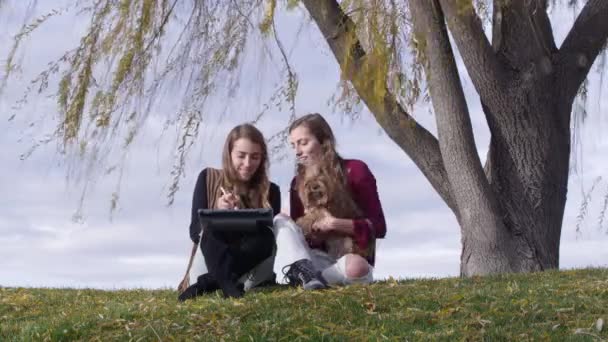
(204, 284)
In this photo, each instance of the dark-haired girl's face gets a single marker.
(305, 145)
(246, 158)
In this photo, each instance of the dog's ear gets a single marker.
(311, 192)
(323, 197)
(319, 191)
(308, 198)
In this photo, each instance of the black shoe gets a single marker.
(302, 272)
(204, 284)
(189, 293)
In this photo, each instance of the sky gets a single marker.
(145, 243)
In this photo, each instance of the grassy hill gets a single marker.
(564, 305)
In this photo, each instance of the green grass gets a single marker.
(564, 305)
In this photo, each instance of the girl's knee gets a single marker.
(281, 216)
(282, 221)
(356, 266)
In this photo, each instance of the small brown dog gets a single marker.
(317, 204)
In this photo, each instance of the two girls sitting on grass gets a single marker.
(238, 261)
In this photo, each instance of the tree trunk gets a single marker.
(528, 159)
(478, 208)
(528, 171)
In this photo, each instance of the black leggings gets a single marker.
(230, 255)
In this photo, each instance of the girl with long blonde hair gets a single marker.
(306, 261)
(241, 183)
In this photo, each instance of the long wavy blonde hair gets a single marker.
(254, 193)
(330, 163)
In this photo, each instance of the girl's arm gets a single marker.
(199, 201)
(296, 209)
(365, 193)
(274, 197)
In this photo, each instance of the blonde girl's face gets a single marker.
(305, 145)
(246, 157)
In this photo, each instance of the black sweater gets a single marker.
(199, 201)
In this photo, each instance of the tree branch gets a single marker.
(487, 73)
(541, 26)
(522, 33)
(583, 44)
(419, 144)
(476, 202)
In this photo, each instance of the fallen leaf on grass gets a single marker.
(298, 292)
(370, 308)
(446, 312)
(483, 322)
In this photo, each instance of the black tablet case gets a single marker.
(239, 220)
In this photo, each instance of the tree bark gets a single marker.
(489, 76)
(531, 182)
(487, 247)
(522, 33)
(528, 160)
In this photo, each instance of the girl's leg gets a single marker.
(254, 258)
(349, 269)
(260, 274)
(251, 251)
(291, 245)
(220, 263)
(293, 257)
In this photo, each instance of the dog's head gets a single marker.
(315, 193)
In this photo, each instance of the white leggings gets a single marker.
(291, 247)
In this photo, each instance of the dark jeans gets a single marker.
(230, 255)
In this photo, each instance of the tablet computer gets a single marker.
(237, 220)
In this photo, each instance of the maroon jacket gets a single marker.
(362, 184)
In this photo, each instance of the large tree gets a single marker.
(391, 53)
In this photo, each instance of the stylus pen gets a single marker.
(224, 193)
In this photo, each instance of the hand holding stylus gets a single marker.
(227, 200)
